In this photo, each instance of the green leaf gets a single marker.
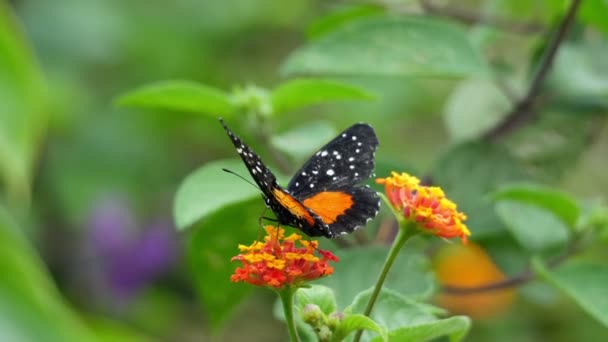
(31, 308)
(584, 282)
(412, 276)
(209, 189)
(579, 76)
(181, 96)
(214, 241)
(390, 46)
(455, 327)
(467, 172)
(473, 108)
(404, 317)
(23, 109)
(321, 296)
(559, 203)
(593, 13)
(335, 19)
(108, 330)
(301, 142)
(394, 310)
(300, 93)
(356, 322)
(550, 147)
(535, 228)
(594, 215)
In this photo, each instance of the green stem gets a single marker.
(287, 300)
(405, 232)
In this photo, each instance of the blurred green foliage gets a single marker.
(121, 98)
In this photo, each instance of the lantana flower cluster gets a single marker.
(280, 261)
(425, 205)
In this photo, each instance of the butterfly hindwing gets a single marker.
(340, 211)
(346, 160)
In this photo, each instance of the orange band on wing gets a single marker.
(329, 204)
(292, 204)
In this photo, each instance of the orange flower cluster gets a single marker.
(425, 205)
(282, 261)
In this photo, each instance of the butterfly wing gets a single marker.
(327, 183)
(263, 177)
(340, 211)
(346, 160)
(288, 210)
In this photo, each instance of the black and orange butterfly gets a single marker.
(324, 198)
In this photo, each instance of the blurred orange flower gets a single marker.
(469, 266)
(281, 261)
(425, 205)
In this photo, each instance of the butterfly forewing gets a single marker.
(264, 178)
(346, 160)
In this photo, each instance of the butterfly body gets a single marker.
(324, 197)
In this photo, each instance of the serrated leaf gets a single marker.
(31, 308)
(584, 282)
(535, 228)
(397, 312)
(474, 107)
(300, 93)
(23, 110)
(181, 96)
(209, 189)
(390, 46)
(353, 323)
(321, 296)
(455, 327)
(301, 142)
(394, 310)
(214, 241)
(559, 203)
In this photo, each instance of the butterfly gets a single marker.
(324, 197)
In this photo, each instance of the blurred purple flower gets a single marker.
(131, 257)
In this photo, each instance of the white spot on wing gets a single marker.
(357, 150)
(351, 159)
(323, 154)
(312, 185)
(352, 167)
(354, 137)
(330, 172)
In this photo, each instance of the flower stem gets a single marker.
(287, 300)
(405, 232)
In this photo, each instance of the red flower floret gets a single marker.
(281, 261)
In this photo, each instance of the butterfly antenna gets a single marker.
(241, 177)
